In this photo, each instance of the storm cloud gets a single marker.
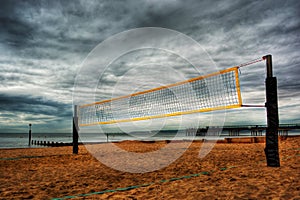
(43, 44)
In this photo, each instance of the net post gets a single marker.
(75, 131)
(271, 149)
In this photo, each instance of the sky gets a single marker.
(46, 45)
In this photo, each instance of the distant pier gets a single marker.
(254, 130)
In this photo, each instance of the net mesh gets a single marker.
(211, 92)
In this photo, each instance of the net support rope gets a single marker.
(247, 64)
(251, 62)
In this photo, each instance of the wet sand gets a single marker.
(229, 171)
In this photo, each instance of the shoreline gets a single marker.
(232, 139)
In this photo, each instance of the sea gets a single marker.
(20, 140)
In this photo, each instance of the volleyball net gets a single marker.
(215, 91)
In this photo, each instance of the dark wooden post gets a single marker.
(271, 149)
(75, 131)
(29, 136)
(106, 137)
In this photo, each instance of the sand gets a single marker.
(229, 171)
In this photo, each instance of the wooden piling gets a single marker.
(29, 135)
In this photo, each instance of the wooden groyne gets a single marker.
(50, 143)
(58, 144)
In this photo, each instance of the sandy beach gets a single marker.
(229, 171)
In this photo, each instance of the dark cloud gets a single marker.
(33, 105)
(15, 31)
(17, 34)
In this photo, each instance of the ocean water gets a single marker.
(20, 140)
